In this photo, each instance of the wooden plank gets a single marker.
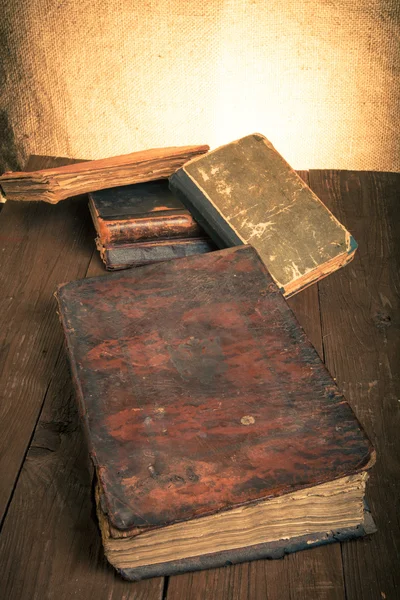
(360, 321)
(308, 574)
(40, 246)
(50, 545)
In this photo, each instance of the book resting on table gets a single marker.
(246, 193)
(217, 434)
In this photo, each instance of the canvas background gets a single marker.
(94, 78)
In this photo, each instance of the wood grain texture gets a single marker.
(360, 319)
(300, 576)
(55, 184)
(371, 568)
(246, 193)
(314, 573)
(317, 573)
(41, 246)
(50, 545)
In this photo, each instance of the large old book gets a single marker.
(142, 223)
(53, 185)
(217, 434)
(246, 193)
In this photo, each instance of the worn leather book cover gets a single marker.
(144, 223)
(57, 183)
(203, 403)
(124, 256)
(246, 193)
(141, 212)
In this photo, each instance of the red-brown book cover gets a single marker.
(200, 392)
(141, 212)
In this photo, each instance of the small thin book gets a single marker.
(246, 193)
(144, 223)
(217, 434)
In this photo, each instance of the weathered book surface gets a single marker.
(53, 185)
(124, 256)
(144, 223)
(319, 515)
(246, 193)
(203, 403)
(141, 212)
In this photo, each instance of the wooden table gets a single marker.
(50, 545)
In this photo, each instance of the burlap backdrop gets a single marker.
(93, 78)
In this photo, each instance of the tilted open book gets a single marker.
(246, 193)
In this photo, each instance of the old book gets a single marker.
(53, 185)
(246, 193)
(141, 212)
(124, 256)
(143, 223)
(217, 434)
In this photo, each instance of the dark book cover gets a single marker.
(139, 213)
(200, 392)
(246, 193)
(142, 224)
(124, 256)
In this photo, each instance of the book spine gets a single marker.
(203, 210)
(134, 255)
(75, 380)
(148, 228)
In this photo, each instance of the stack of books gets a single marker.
(217, 434)
(144, 223)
